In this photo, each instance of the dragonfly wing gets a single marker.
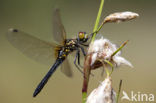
(32, 47)
(59, 33)
(66, 68)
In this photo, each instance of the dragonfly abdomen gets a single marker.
(47, 76)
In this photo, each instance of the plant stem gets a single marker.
(86, 66)
(118, 94)
(97, 20)
(84, 95)
(108, 62)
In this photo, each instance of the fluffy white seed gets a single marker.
(103, 94)
(103, 49)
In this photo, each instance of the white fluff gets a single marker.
(121, 61)
(103, 94)
(103, 49)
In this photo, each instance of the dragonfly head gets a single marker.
(82, 37)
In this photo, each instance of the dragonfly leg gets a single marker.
(78, 54)
(84, 44)
(83, 51)
(77, 57)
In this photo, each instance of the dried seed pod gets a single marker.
(121, 16)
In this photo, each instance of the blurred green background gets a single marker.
(20, 75)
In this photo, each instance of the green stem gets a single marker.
(84, 94)
(84, 97)
(100, 27)
(97, 20)
(108, 62)
(118, 94)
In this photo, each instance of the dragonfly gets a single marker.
(43, 51)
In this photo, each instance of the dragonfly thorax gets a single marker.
(70, 42)
(70, 46)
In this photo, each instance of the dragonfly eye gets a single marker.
(81, 35)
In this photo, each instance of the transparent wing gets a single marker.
(32, 47)
(66, 69)
(59, 33)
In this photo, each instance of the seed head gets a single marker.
(102, 49)
(103, 94)
(121, 16)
